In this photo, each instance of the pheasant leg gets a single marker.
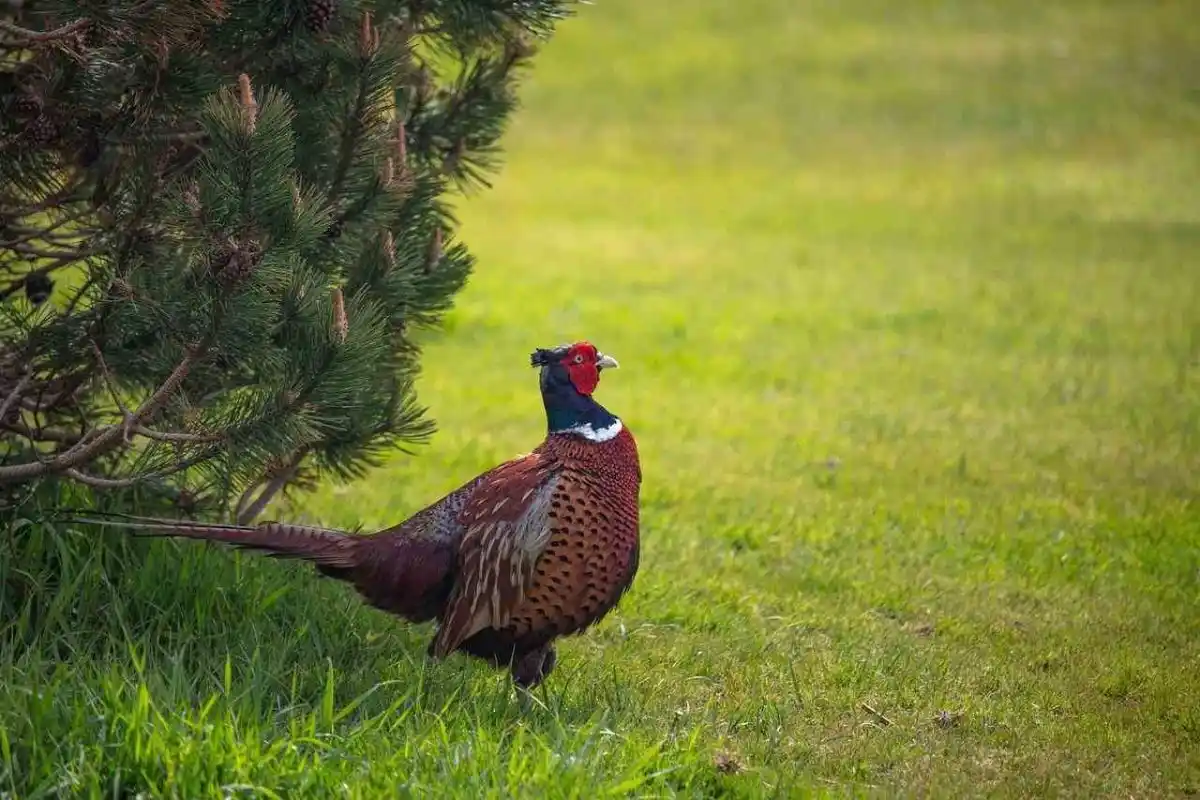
(532, 668)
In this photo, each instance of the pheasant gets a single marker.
(537, 548)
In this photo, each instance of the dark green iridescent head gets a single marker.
(569, 376)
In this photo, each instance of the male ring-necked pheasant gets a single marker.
(539, 547)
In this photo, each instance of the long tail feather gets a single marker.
(322, 546)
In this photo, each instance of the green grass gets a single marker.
(907, 302)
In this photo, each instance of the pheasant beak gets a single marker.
(606, 362)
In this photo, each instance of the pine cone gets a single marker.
(319, 14)
(26, 104)
(191, 199)
(234, 262)
(41, 130)
(164, 157)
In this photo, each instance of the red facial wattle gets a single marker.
(580, 363)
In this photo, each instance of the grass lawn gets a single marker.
(907, 302)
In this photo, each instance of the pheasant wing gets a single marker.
(507, 527)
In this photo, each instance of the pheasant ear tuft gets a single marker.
(542, 357)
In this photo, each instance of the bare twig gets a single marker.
(96, 482)
(57, 255)
(171, 136)
(15, 395)
(63, 239)
(53, 393)
(53, 200)
(247, 514)
(877, 714)
(126, 416)
(44, 36)
(42, 434)
(242, 501)
(48, 227)
(50, 232)
(99, 482)
(179, 437)
(88, 435)
(80, 293)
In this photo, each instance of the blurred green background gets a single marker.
(906, 235)
(907, 303)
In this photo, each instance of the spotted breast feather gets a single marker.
(556, 563)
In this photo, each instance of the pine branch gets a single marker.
(97, 482)
(78, 296)
(179, 437)
(14, 208)
(27, 36)
(109, 437)
(248, 511)
(101, 482)
(128, 154)
(15, 395)
(52, 255)
(26, 233)
(42, 434)
(126, 417)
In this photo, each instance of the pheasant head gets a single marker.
(569, 376)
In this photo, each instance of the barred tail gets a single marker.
(327, 548)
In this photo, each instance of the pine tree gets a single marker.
(220, 224)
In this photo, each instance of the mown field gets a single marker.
(907, 303)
